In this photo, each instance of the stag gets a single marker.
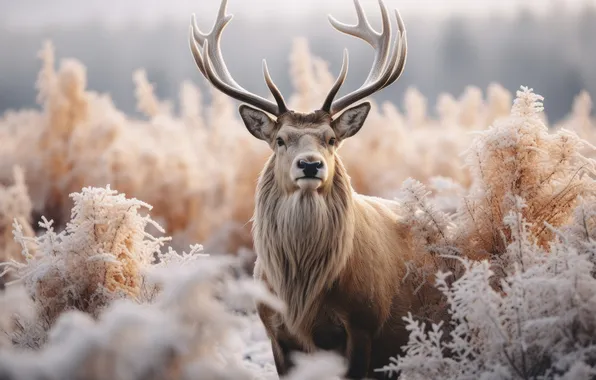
(335, 257)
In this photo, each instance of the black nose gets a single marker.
(310, 169)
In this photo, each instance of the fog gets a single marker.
(545, 45)
(31, 13)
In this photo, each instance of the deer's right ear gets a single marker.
(258, 123)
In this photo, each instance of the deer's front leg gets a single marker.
(358, 352)
(362, 325)
(283, 344)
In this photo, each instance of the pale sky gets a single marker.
(25, 13)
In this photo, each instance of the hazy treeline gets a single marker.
(554, 53)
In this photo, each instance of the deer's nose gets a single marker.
(310, 168)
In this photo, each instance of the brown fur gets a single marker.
(336, 258)
(304, 119)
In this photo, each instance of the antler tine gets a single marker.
(389, 60)
(206, 51)
(219, 22)
(282, 108)
(338, 83)
(368, 34)
(197, 34)
(214, 38)
(196, 52)
(401, 51)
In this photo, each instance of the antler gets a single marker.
(206, 51)
(388, 64)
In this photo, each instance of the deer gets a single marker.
(333, 256)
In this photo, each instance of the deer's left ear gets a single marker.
(258, 123)
(351, 120)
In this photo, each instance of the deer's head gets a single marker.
(305, 144)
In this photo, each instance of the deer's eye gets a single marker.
(332, 141)
(280, 142)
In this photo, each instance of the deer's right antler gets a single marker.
(388, 64)
(206, 51)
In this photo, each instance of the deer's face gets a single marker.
(304, 145)
(304, 155)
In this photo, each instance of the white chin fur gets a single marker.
(309, 184)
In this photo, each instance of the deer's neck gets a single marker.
(303, 240)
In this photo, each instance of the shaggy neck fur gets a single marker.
(303, 240)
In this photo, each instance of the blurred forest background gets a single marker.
(552, 50)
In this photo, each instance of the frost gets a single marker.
(92, 287)
(540, 322)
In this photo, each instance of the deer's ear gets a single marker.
(351, 120)
(258, 123)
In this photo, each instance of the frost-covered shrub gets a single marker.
(581, 120)
(519, 157)
(539, 324)
(97, 258)
(428, 226)
(188, 331)
(581, 233)
(15, 204)
(15, 306)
